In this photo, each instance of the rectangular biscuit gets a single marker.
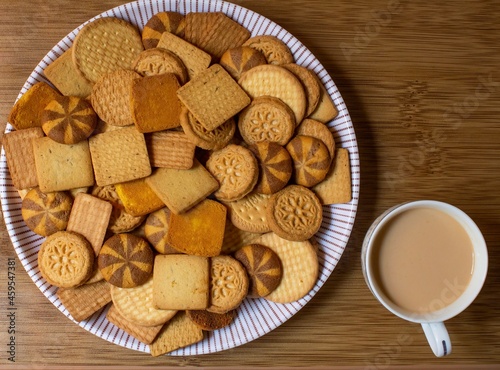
(213, 97)
(177, 333)
(146, 334)
(170, 149)
(336, 187)
(138, 198)
(85, 300)
(90, 217)
(195, 60)
(20, 157)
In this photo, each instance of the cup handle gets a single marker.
(438, 338)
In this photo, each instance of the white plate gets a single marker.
(256, 317)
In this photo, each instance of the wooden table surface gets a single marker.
(422, 84)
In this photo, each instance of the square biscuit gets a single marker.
(170, 149)
(336, 187)
(85, 300)
(181, 190)
(195, 60)
(181, 282)
(61, 166)
(20, 157)
(138, 198)
(213, 97)
(119, 156)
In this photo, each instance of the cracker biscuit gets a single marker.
(85, 300)
(310, 83)
(263, 267)
(237, 61)
(266, 119)
(198, 231)
(177, 333)
(66, 259)
(195, 60)
(62, 167)
(111, 96)
(46, 214)
(20, 157)
(182, 189)
(90, 217)
(181, 282)
(295, 213)
(213, 97)
(105, 45)
(63, 74)
(325, 110)
(136, 305)
(146, 334)
(311, 160)
(68, 119)
(317, 129)
(300, 267)
(171, 149)
(235, 238)
(275, 50)
(229, 284)
(275, 166)
(250, 213)
(214, 32)
(125, 260)
(160, 23)
(336, 187)
(276, 81)
(215, 139)
(138, 198)
(158, 61)
(236, 170)
(119, 156)
(209, 321)
(154, 104)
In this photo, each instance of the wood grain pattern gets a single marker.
(422, 85)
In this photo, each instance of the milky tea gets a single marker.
(422, 260)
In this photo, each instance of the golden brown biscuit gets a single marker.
(325, 110)
(275, 166)
(275, 50)
(85, 300)
(138, 198)
(209, 321)
(310, 83)
(171, 149)
(158, 61)
(160, 23)
(250, 213)
(156, 230)
(336, 187)
(317, 129)
(237, 61)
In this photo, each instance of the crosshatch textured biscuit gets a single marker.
(154, 104)
(156, 231)
(250, 213)
(214, 32)
(237, 61)
(194, 59)
(119, 156)
(105, 45)
(46, 214)
(213, 97)
(310, 83)
(111, 97)
(66, 259)
(61, 166)
(336, 187)
(20, 157)
(90, 217)
(300, 267)
(63, 74)
(276, 81)
(171, 149)
(27, 111)
(160, 23)
(275, 50)
(85, 300)
(158, 61)
(138, 198)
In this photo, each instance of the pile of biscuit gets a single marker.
(175, 171)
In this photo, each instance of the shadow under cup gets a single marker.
(454, 297)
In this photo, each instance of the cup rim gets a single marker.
(479, 271)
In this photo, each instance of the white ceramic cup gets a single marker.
(432, 322)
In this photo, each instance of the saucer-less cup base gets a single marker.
(432, 322)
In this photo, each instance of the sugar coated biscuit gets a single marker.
(336, 187)
(295, 213)
(250, 213)
(237, 61)
(105, 45)
(263, 267)
(126, 260)
(311, 160)
(66, 259)
(85, 300)
(266, 119)
(68, 119)
(229, 284)
(300, 267)
(20, 156)
(158, 24)
(209, 321)
(275, 50)
(46, 213)
(275, 166)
